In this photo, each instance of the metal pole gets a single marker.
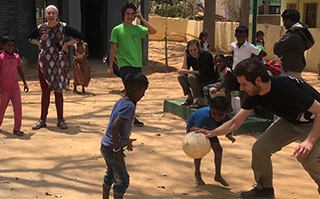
(254, 21)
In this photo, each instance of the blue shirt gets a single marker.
(202, 117)
(124, 109)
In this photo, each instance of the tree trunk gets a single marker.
(244, 13)
(209, 21)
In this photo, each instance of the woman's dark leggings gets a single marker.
(45, 99)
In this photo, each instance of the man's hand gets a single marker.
(208, 133)
(118, 157)
(303, 150)
(109, 72)
(26, 88)
(230, 137)
(130, 146)
(138, 14)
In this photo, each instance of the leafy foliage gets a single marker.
(174, 8)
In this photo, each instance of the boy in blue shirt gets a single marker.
(211, 118)
(117, 136)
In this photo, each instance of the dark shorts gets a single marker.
(125, 70)
(115, 174)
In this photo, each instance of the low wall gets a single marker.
(183, 29)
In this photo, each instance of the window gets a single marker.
(310, 14)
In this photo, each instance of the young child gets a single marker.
(259, 38)
(225, 73)
(241, 50)
(211, 118)
(82, 71)
(204, 40)
(10, 66)
(117, 136)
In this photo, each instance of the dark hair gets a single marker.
(127, 6)
(193, 42)
(221, 56)
(259, 33)
(251, 68)
(242, 29)
(291, 14)
(220, 103)
(7, 38)
(135, 79)
(229, 61)
(203, 34)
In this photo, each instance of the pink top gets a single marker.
(9, 70)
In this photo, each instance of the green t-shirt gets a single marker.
(128, 40)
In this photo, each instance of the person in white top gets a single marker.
(241, 50)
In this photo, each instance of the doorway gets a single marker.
(93, 26)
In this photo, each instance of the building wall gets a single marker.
(301, 8)
(273, 19)
(191, 29)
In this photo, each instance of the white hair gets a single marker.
(52, 7)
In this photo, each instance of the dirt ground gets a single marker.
(54, 163)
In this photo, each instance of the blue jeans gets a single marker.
(116, 174)
(125, 70)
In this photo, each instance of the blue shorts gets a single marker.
(116, 174)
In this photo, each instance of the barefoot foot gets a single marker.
(221, 180)
(198, 179)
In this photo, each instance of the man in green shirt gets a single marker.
(125, 41)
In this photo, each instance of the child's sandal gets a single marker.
(40, 124)
(62, 124)
(18, 133)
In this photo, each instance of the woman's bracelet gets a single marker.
(116, 150)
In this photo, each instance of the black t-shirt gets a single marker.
(204, 64)
(289, 98)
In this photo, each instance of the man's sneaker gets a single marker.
(137, 123)
(258, 193)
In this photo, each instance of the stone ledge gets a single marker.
(252, 123)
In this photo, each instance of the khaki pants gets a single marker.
(190, 81)
(278, 135)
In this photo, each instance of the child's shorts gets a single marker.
(116, 174)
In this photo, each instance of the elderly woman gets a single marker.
(50, 37)
(202, 73)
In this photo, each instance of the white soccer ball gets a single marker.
(196, 145)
